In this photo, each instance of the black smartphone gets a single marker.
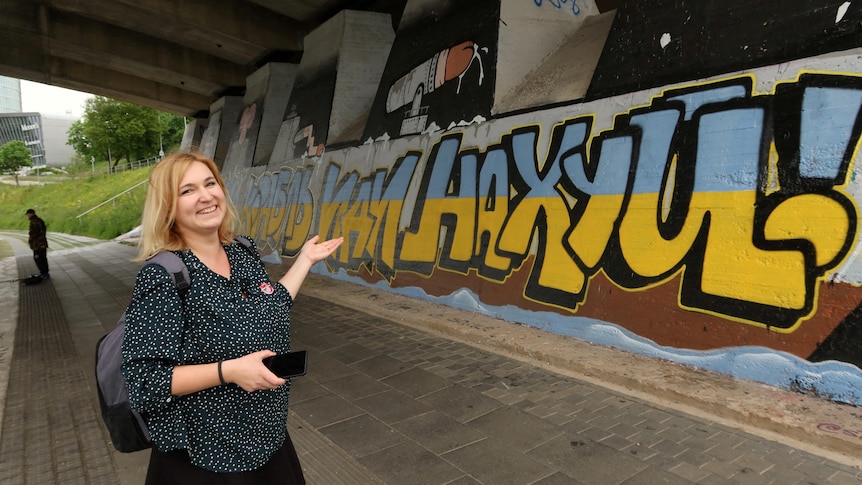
(291, 364)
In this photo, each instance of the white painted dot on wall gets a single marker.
(665, 40)
(842, 10)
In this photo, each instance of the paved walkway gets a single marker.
(402, 391)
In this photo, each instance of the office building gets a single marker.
(44, 135)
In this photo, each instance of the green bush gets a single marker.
(60, 203)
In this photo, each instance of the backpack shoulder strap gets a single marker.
(244, 241)
(247, 244)
(175, 267)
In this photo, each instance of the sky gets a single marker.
(45, 99)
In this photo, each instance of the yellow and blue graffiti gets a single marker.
(742, 197)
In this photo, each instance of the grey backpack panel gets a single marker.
(127, 427)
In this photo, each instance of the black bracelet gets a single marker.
(220, 376)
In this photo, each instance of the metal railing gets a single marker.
(142, 182)
(144, 162)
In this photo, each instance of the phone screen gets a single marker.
(291, 364)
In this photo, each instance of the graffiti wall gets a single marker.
(711, 220)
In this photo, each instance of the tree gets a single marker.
(79, 142)
(116, 130)
(13, 156)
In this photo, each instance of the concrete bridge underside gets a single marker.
(177, 57)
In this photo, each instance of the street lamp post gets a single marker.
(161, 148)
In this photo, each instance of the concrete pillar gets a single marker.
(336, 84)
(216, 138)
(547, 55)
(266, 93)
(193, 134)
(366, 41)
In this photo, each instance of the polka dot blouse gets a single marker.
(223, 428)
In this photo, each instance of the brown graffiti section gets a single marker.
(740, 197)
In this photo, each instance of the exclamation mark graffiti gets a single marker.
(829, 131)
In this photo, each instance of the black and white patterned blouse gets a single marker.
(223, 428)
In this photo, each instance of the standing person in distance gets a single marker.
(39, 242)
(193, 365)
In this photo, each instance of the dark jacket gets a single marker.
(38, 233)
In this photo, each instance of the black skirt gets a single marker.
(174, 467)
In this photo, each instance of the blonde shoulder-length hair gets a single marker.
(158, 223)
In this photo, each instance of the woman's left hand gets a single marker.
(315, 252)
(312, 252)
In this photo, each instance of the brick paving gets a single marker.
(389, 394)
(383, 403)
(51, 433)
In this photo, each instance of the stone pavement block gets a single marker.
(655, 476)
(416, 382)
(70, 475)
(439, 433)
(690, 472)
(587, 431)
(589, 461)
(320, 341)
(355, 386)
(674, 435)
(362, 435)
(322, 462)
(558, 479)
(843, 478)
(815, 467)
(464, 480)
(728, 437)
(784, 475)
(350, 352)
(640, 452)
(409, 463)
(746, 476)
(460, 403)
(700, 438)
(720, 468)
(539, 411)
(520, 431)
(754, 463)
(616, 442)
(853, 470)
(669, 448)
(322, 368)
(492, 462)
(626, 426)
(303, 389)
(694, 457)
(392, 406)
(380, 366)
(559, 419)
(325, 410)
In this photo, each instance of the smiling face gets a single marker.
(201, 203)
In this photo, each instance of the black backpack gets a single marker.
(127, 427)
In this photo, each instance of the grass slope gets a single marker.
(59, 201)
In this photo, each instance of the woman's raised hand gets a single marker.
(316, 252)
(311, 253)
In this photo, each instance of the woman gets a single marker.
(194, 365)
